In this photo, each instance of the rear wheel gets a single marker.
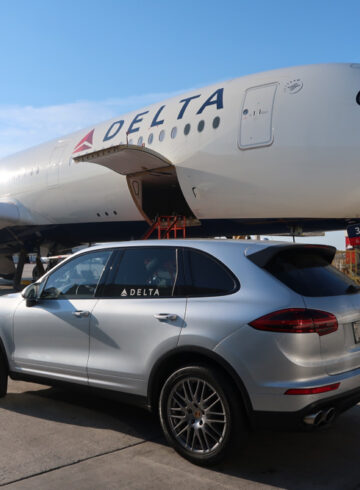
(200, 414)
(3, 376)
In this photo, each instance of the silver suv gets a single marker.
(218, 336)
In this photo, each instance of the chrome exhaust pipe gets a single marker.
(314, 418)
(320, 418)
(330, 415)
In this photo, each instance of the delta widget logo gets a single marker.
(86, 143)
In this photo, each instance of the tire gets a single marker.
(3, 376)
(188, 397)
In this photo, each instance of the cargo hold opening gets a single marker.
(157, 193)
(151, 178)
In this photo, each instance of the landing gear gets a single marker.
(38, 270)
(19, 271)
(7, 277)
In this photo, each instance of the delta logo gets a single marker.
(86, 143)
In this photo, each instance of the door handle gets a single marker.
(165, 316)
(81, 313)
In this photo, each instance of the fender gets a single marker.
(184, 354)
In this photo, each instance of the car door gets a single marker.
(138, 317)
(52, 337)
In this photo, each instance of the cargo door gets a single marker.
(151, 178)
(256, 117)
(54, 165)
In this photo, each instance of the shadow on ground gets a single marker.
(325, 458)
(78, 407)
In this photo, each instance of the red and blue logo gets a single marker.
(86, 143)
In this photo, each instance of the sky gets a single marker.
(67, 64)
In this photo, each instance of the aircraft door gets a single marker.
(256, 117)
(54, 165)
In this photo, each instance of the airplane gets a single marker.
(271, 153)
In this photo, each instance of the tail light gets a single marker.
(312, 391)
(297, 320)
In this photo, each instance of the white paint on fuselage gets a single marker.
(309, 171)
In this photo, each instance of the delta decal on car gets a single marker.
(140, 292)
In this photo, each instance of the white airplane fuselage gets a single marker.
(266, 153)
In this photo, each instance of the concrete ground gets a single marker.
(52, 438)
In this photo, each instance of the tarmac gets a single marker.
(54, 438)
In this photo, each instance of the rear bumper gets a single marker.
(295, 420)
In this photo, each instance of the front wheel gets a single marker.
(201, 415)
(3, 376)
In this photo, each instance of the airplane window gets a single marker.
(216, 122)
(150, 138)
(173, 132)
(358, 98)
(98, 214)
(140, 140)
(161, 135)
(201, 125)
(187, 129)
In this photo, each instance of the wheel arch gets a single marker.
(183, 356)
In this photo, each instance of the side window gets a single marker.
(207, 276)
(78, 278)
(145, 272)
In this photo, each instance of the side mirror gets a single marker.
(31, 294)
(31, 302)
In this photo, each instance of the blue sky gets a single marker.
(68, 64)
(61, 51)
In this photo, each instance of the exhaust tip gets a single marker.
(313, 419)
(323, 417)
(330, 415)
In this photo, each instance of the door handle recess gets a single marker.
(81, 313)
(165, 316)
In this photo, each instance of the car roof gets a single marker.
(202, 243)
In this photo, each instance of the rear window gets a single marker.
(309, 274)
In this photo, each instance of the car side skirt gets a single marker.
(127, 398)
